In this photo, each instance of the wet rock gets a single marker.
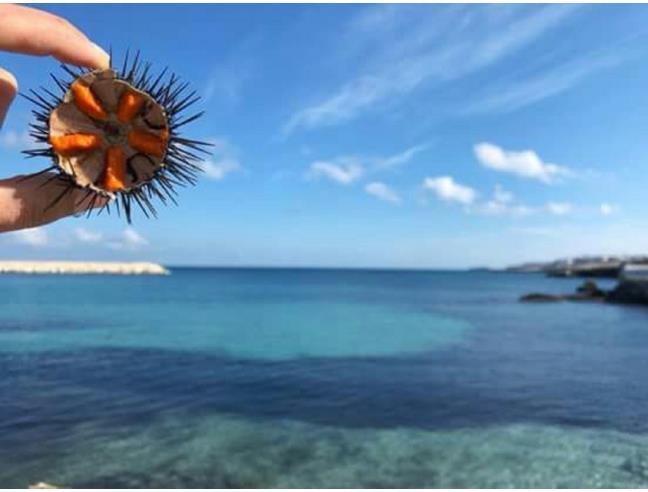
(538, 297)
(589, 288)
(629, 292)
(588, 291)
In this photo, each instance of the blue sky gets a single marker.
(380, 135)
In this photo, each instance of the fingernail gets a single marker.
(103, 54)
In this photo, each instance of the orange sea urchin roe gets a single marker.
(147, 142)
(130, 104)
(115, 169)
(86, 101)
(67, 145)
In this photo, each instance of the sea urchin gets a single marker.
(115, 133)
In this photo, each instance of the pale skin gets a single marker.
(23, 203)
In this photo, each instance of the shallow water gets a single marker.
(282, 378)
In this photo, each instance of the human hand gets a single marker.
(24, 202)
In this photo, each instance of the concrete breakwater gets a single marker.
(81, 268)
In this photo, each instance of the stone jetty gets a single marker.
(81, 268)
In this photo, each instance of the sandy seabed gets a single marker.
(220, 451)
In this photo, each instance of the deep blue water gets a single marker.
(268, 378)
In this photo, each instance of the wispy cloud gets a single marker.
(607, 209)
(524, 91)
(232, 72)
(559, 208)
(86, 236)
(502, 196)
(447, 189)
(343, 170)
(128, 240)
(217, 170)
(502, 203)
(525, 163)
(11, 139)
(226, 83)
(36, 237)
(423, 50)
(223, 162)
(398, 159)
(347, 169)
(382, 192)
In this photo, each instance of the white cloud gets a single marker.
(218, 170)
(556, 208)
(129, 239)
(11, 139)
(415, 47)
(344, 170)
(447, 189)
(133, 238)
(36, 237)
(524, 163)
(607, 209)
(382, 192)
(86, 236)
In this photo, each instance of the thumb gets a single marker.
(8, 90)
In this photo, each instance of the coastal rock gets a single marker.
(588, 291)
(629, 292)
(539, 297)
(589, 288)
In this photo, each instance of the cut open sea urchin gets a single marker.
(116, 134)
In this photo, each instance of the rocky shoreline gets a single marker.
(81, 268)
(625, 292)
(631, 273)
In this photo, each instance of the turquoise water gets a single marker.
(316, 378)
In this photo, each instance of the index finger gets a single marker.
(33, 32)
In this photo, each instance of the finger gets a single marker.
(8, 89)
(39, 200)
(33, 32)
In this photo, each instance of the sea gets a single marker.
(282, 378)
